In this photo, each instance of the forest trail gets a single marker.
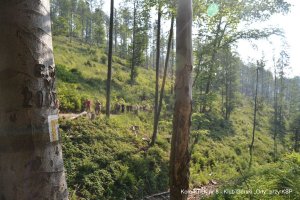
(71, 116)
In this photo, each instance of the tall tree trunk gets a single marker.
(254, 121)
(227, 99)
(133, 45)
(147, 57)
(216, 45)
(110, 47)
(155, 129)
(172, 67)
(180, 155)
(116, 33)
(31, 163)
(297, 138)
(82, 24)
(71, 27)
(275, 117)
(157, 73)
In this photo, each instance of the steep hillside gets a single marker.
(82, 71)
(222, 150)
(107, 159)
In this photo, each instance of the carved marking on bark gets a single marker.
(47, 73)
(40, 70)
(27, 94)
(40, 99)
(56, 151)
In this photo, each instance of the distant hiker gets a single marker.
(123, 108)
(98, 106)
(117, 108)
(88, 105)
(135, 109)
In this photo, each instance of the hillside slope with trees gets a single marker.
(244, 130)
(107, 159)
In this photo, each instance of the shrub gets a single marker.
(63, 74)
(103, 59)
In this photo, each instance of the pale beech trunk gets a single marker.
(31, 164)
(180, 156)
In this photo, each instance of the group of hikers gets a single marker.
(118, 108)
(88, 105)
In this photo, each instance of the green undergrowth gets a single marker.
(105, 159)
(272, 181)
(221, 147)
(82, 72)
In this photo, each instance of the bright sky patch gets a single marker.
(213, 9)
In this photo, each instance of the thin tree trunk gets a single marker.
(31, 163)
(154, 136)
(82, 24)
(147, 57)
(116, 33)
(108, 81)
(71, 27)
(297, 138)
(275, 118)
(180, 155)
(172, 67)
(133, 44)
(216, 45)
(254, 121)
(157, 73)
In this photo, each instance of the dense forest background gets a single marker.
(245, 123)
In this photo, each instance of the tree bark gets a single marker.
(180, 155)
(110, 47)
(31, 163)
(254, 121)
